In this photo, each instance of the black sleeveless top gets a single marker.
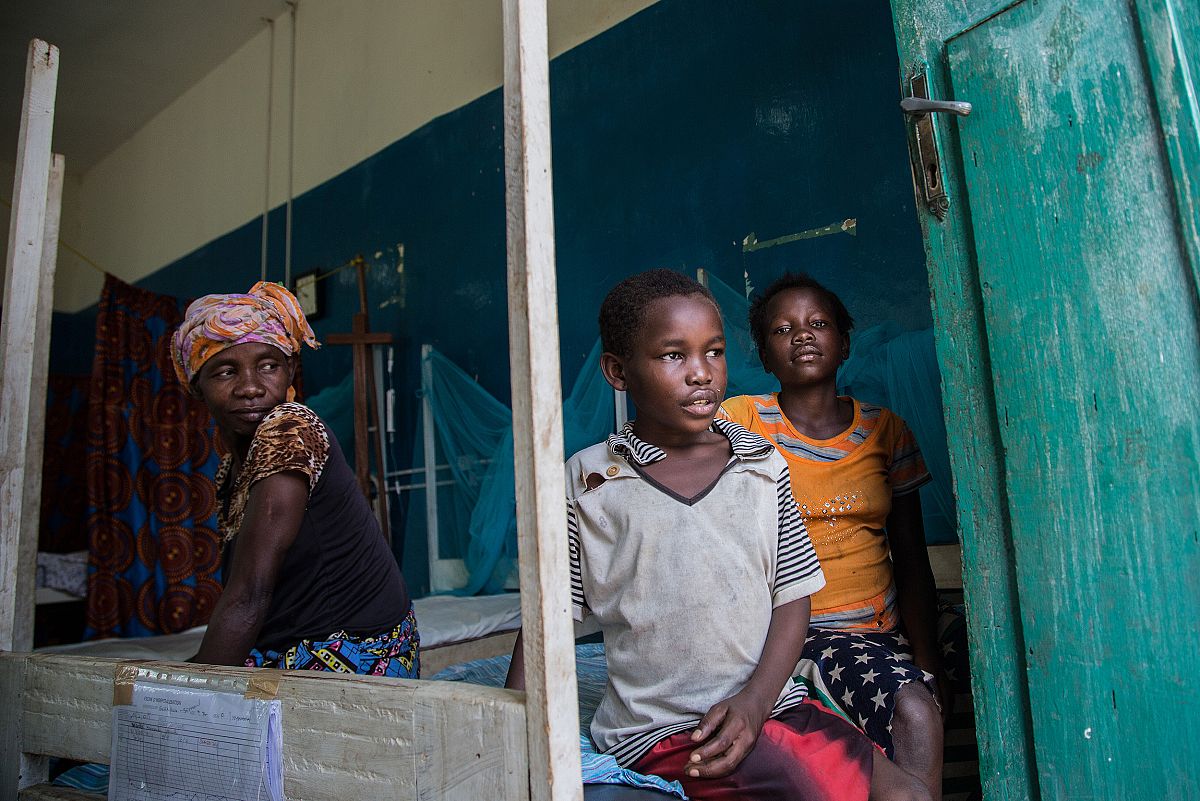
(339, 574)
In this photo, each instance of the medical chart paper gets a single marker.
(181, 744)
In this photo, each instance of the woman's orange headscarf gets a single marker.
(267, 313)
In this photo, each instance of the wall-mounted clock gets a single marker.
(307, 290)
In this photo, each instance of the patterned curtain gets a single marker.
(154, 562)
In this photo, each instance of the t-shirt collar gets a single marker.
(745, 445)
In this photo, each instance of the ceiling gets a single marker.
(120, 62)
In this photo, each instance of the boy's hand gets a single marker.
(728, 732)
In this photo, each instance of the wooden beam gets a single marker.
(367, 338)
(18, 332)
(551, 701)
(946, 562)
(343, 736)
(26, 587)
(17, 769)
(1171, 46)
(440, 657)
(50, 792)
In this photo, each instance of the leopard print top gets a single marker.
(291, 437)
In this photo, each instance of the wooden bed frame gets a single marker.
(342, 736)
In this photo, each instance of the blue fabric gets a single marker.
(394, 653)
(335, 405)
(603, 769)
(90, 778)
(591, 671)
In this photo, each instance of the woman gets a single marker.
(310, 583)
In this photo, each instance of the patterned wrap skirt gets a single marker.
(395, 653)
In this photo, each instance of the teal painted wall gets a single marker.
(677, 133)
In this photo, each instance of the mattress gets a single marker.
(441, 619)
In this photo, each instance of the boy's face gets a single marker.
(676, 372)
(802, 344)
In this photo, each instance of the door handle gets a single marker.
(920, 105)
(923, 149)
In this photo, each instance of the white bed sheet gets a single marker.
(441, 619)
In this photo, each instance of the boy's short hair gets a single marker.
(758, 305)
(623, 311)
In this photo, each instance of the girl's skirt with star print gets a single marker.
(394, 653)
(861, 673)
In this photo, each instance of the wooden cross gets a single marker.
(366, 442)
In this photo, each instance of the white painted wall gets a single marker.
(368, 72)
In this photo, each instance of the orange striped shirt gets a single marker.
(844, 487)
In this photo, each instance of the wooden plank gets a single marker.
(443, 656)
(1170, 40)
(50, 792)
(946, 561)
(17, 769)
(429, 451)
(1093, 330)
(18, 328)
(31, 522)
(471, 750)
(552, 711)
(343, 736)
(67, 706)
(1007, 767)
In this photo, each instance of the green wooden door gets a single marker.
(1067, 276)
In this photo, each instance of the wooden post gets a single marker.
(24, 340)
(36, 444)
(366, 404)
(433, 536)
(551, 702)
(18, 337)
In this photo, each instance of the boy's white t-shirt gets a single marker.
(683, 589)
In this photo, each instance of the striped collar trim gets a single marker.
(745, 445)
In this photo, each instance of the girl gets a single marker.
(855, 470)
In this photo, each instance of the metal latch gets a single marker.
(923, 149)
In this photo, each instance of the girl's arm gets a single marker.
(730, 729)
(916, 597)
(274, 512)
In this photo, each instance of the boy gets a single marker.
(688, 548)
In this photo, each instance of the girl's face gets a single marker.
(676, 372)
(802, 346)
(242, 384)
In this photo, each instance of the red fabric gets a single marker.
(806, 754)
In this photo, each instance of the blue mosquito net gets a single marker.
(335, 405)
(476, 504)
(477, 514)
